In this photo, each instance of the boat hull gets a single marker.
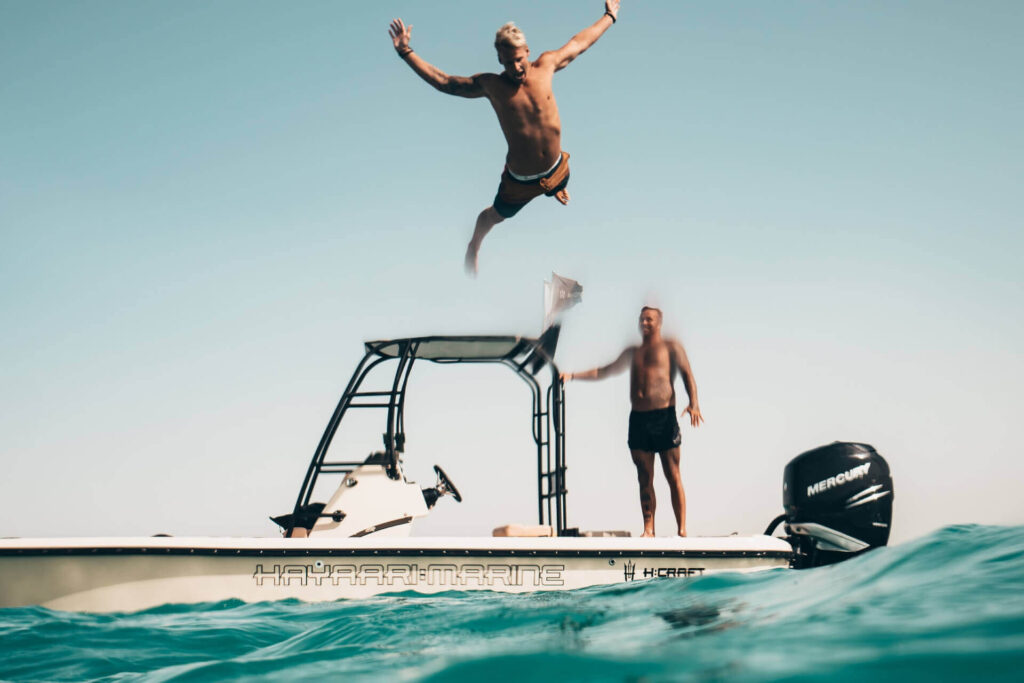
(104, 575)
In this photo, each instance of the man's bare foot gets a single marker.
(682, 534)
(647, 534)
(472, 257)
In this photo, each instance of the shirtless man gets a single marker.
(653, 427)
(522, 98)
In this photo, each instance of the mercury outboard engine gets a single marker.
(838, 502)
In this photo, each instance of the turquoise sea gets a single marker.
(949, 606)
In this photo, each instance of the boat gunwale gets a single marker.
(727, 546)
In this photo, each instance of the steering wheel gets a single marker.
(446, 484)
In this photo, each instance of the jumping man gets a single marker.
(522, 98)
(653, 427)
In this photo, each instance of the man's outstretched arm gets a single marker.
(615, 367)
(453, 85)
(578, 44)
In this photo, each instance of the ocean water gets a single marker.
(949, 606)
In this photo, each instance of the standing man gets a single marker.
(522, 98)
(653, 427)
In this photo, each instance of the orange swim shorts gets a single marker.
(514, 194)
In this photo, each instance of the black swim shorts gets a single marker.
(654, 431)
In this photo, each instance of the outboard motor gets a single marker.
(838, 502)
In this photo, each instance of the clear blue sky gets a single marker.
(206, 207)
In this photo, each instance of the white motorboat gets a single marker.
(838, 502)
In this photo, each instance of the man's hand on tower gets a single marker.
(611, 8)
(400, 34)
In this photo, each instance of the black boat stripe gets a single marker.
(384, 525)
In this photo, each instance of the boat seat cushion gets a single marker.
(524, 530)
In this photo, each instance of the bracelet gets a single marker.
(405, 53)
(608, 12)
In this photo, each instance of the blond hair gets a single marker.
(509, 35)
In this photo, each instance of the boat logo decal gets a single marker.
(672, 572)
(407, 575)
(629, 572)
(838, 480)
